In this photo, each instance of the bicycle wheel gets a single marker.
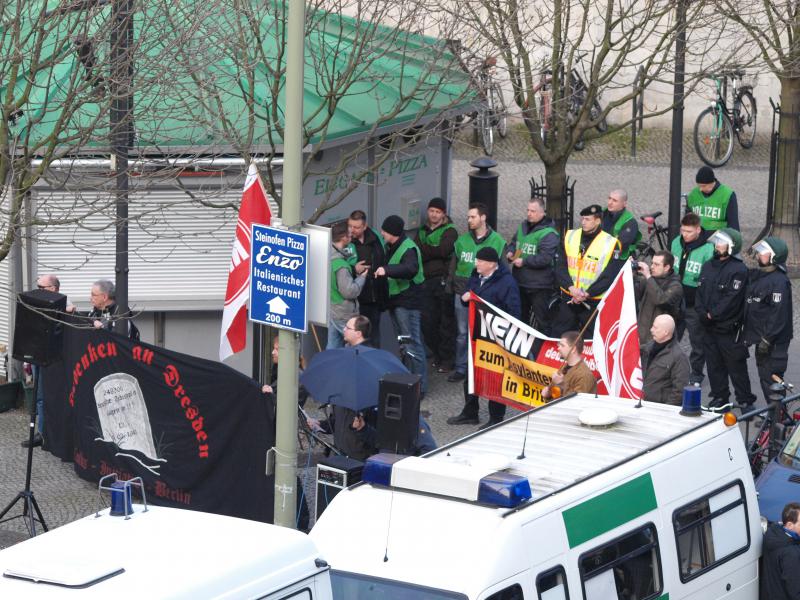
(500, 112)
(594, 112)
(746, 119)
(713, 137)
(486, 131)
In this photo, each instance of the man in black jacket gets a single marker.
(720, 300)
(436, 240)
(658, 292)
(531, 253)
(367, 246)
(768, 312)
(780, 578)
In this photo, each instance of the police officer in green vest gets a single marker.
(691, 251)
(531, 253)
(713, 202)
(620, 222)
(346, 284)
(404, 272)
(436, 240)
(479, 235)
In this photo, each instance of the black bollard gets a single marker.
(483, 187)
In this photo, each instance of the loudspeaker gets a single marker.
(333, 475)
(37, 335)
(398, 412)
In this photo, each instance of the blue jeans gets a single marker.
(409, 322)
(335, 335)
(462, 318)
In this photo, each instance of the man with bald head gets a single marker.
(620, 222)
(665, 366)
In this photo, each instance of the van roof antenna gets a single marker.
(525, 438)
(388, 527)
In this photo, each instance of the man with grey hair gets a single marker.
(620, 222)
(104, 308)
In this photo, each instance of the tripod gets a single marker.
(29, 504)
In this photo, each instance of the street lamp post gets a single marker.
(676, 154)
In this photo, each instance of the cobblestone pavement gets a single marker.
(64, 497)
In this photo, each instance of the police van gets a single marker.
(586, 497)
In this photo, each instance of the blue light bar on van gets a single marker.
(378, 469)
(504, 489)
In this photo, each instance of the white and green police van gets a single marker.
(585, 498)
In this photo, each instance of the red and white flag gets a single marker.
(616, 338)
(254, 209)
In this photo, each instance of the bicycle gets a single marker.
(715, 126)
(772, 434)
(492, 113)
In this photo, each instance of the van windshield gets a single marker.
(791, 450)
(353, 586)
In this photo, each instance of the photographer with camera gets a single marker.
(658, 292)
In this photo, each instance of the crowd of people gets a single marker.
(699, 289)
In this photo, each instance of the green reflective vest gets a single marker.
(434, 238)
(623, 219)
(694, 261)
(466, 249)
(337, 264)
(713, 209)
(398, 286)
(528, 245)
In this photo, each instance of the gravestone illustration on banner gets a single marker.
(124, 420)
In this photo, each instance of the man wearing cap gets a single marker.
(768, 310)
(720, 300)
(586, 267)
(493, 282)
(436, 240)
(403, 271)
(479, 235)
(665, 366)
(620, 222)
(713, 202)
(532, 254)
(691, 251)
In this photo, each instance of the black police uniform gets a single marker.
(721, 293)
(768, 321)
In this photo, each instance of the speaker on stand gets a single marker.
(37, 340)
(398, 412)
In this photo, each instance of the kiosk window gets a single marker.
(711, 530)
(628, 568)
(552, 585)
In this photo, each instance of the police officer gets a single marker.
(713, 202)
(768, 312)
(586, 267)
(620, 222)
(532, 256)
(691, 251)
(720, 301)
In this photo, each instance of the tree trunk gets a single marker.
(556, 181)
(785, 211)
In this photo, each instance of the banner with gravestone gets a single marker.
(195, 431)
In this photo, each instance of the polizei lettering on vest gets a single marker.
(506, 333)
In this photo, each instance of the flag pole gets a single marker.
(288, 353)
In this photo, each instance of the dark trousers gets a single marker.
(535, 308)
(373, 313)
(727, 358)
(572, 317)
(438, 322)
(696, 333)
(773, 364)
(497, 410)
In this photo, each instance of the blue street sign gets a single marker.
(278, 278)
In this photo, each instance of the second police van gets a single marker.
(586, 497)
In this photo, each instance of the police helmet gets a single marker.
(776, 248)
(729, 237)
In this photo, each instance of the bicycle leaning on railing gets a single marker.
(716, 125)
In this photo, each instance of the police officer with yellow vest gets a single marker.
(691, 251)
(620, 222)
(531, 253)
(586, 267)
(404, 272)
(713, 202)
(436, 240)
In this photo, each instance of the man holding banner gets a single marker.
(574, 376)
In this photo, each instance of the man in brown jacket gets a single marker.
(574, 376)
(658, 292)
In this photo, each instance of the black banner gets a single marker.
(195, 431)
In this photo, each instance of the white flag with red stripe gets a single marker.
(616, 338)
(254, 209)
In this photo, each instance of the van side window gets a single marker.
(711, 530)
(552, 584)
(304, 594)
(513, 592)
(627, 568)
